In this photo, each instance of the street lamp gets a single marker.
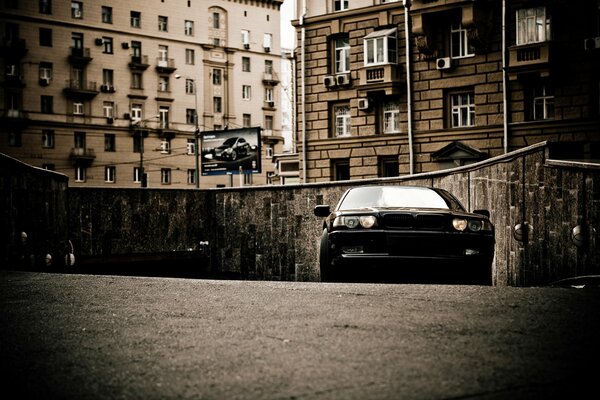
(197, 131)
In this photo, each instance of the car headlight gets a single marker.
(475, 225)
(460, 224)
(351, 222)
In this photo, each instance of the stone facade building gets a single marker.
(112, 93)
(389, 87)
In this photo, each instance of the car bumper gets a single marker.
(427, 255)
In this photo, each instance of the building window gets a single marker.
(246, 64)
(533, 26)
(340, 169)
(136, 80)
(267, 41)
(341, 120)
(269, 123)
(136, 112)
(163, 23)
(79, 140)
(190, 58)
(380, 47)
(391, 117)
(462, 107)
(459, 42)
(80, 174)
(108, 108)
(109, 142)
(77, 108)
(137, 142)
(341, 55)
(189, 28)
(163, 83)
(165, 176)
(45, 72)
(14, 139)
(135, 18)
(46, 6)
(247, 120)
(45, 37)
(340, 5)
(217, 104)
(246, 92)
(542, 102)
(163, 54)
(191, 176)
(107, 45)
(77, 9)
(246, 38)
(163, 117)
(47, 138)
(47, 104)
(216, 42)
(217, 76)
(108, 78)
(110, 173)
(165, 146)
(269, 96)
(388, 166)
(190, 86)
(190, 116)
(191, 147)
(107, 15)
(269, 67)
(216, 20)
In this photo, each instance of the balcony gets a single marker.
(385, 78)
(79, 55)
(13, 81)
(270, 78)
(81, 89)
(165, 65)
(82, 156)
(139, 63)
(14, 119)
(14, 49)
(532, 57)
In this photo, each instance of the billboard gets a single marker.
(231, 151)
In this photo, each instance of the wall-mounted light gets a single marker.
(522, 232)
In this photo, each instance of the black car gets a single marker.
(407, 232)
(232, 148)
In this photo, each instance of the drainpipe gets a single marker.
(303, 88)
(411, 162)
(504, 79)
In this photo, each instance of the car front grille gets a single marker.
(414, 221)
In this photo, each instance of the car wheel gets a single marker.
(324, 259)
(233, 155)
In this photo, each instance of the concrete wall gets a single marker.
(270, 233)
(32, 201)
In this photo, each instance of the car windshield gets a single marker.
(393, 197)
(230, 141)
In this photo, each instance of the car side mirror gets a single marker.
(485, 213)
(322, 210)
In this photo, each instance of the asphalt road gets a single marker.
(109, 337)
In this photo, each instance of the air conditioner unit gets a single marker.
(443, 63)
(99, 42)
(111, 89)
(125, 45)
(343, 79)
(246, 46)
(329, 81)
(104, 88)
(591, 43)
(164, 147)
(110, 120)
(44, 81)
(363, 104)
(267, 49)
(271, 104)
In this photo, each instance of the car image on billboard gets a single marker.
(231, 151)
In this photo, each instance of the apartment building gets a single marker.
(119, 94)
(388, 87)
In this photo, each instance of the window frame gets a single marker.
(457, 31)
(534, 28)
(387, 41)
(394, 117)
(341, 54)
(341, 120)
(106, 14)
(48, 138)
(163, 23)
(458, 111)
(110, 174)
